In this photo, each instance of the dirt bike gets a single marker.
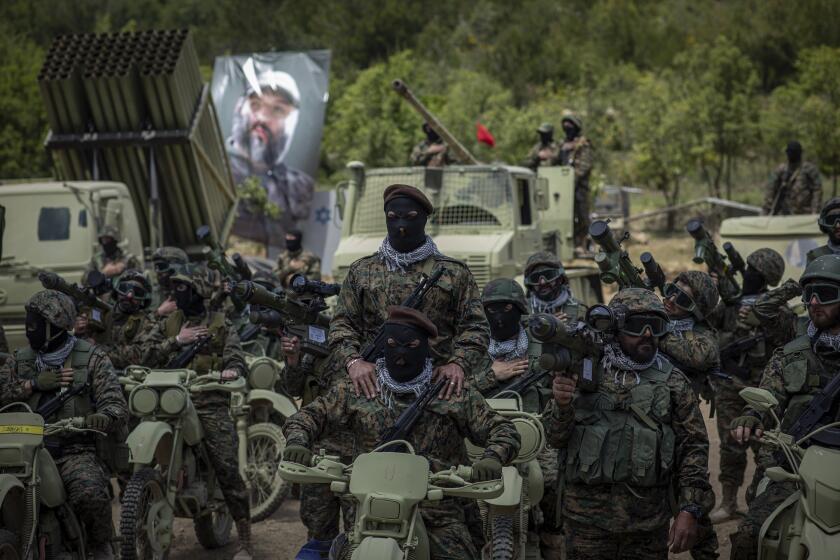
(36, 521)
(806, 524)
(388, 488)
(508, 518)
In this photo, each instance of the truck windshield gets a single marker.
(468, 199)
(45, 231)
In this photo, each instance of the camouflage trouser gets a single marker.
(449, 538)
(581, 227)
(584, 541)
(86, 485)
(320, 511)
(549, 463)
(706, 547)
(222, 445)
(745, 539)
(733, 457)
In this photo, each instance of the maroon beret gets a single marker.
(407, 191)
(408, 316)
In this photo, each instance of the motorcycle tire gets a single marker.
(267, 489)
(213, 530)
(142, 491)
(9, 544)
(501, 539)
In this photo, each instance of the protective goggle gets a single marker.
(830, 221)
(547, 275)
(137, 290)
(825, 293)
(637, 324)
(681, 299)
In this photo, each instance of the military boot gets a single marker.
(103, 552)
(551, 546)
(243, 529)
(728, 507)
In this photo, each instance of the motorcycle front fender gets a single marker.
(776, 524)
(145, 440)
(512, 494)
(281, 403)
(14, 506)
(375, 548)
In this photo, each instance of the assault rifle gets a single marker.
(822, 403)
(56, 403)
(731, 353)
(705, 251)
(99, 310)
(402, 428)
(376, 349)
(522, 382)
(217, 260)
(185, 356)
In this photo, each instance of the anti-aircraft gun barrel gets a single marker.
(736, 261)
(461, 153)
(612, 260)
(654, 273)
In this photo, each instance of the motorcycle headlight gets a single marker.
(263, 374)
(173, 401)
(144, 401)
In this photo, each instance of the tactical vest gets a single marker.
(79, 358)
(624, 436)
(211, 356)
(803, 375)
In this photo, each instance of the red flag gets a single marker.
(483, 135)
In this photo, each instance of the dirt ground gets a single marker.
(282, 535)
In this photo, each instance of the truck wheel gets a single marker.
(144, 489)
(502, 538)
(213, 528)
(265, 449)
(9, 545)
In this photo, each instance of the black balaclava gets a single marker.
(794, 152)
(754, 282)
(432, 136)
(546, 138)
(570, 130)
(188, 300)
(405, 233)
(404, 363)
(42, 335)
(294, 245)
(504, 324)
(109, 245)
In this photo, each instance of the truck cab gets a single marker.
(55, 226)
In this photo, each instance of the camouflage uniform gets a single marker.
(420, 156)
(81, 470)
(573, 309)
(453, 305)
(746, 367)
(616, 503)
(171, 256)
(794, 191)
(213, 407)
(297, 262)
(579, 154)
(100, 259)
(438, 436)
(127, 332)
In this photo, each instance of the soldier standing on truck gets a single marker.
(546, 151)
(795, 187)
(548, 288)
(615, 505)
(388, 277)
(829, 222)
(432, 151)
(747, 342)
(296, 260)
(56, 360)
(576, 151)
(111, 260)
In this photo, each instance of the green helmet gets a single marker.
(832, 204)
(546, 128)
(55, 307)
(574, 119)
(505, 290)
(769, 263)
(110, 231)
(826, 267)
(191, 275)
(543, 258)
(706, 295)
(172, 255)
(637, 300)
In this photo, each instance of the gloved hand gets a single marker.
(487, 469)
(297, 454)
(97, 421)
(47, 380)
(743, 427)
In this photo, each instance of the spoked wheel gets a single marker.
(213, 529)
(265, 450)
(140, 528)
(9, 545)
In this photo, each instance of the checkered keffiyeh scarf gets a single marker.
(824, 338)
(394, 260)
(56, 358)
(390, 386)
(509, 350)
(541, 306)
(616, 361)
(679, 326)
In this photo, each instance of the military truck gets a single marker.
(490, 216)
(135, 140)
